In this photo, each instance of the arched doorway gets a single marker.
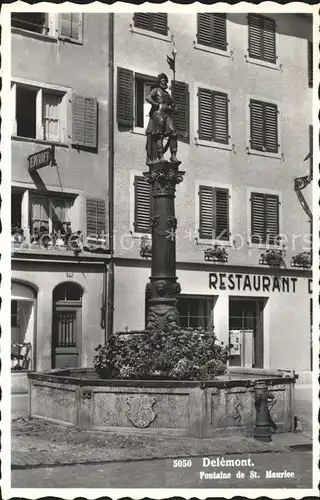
(23, 299)
(67, 325)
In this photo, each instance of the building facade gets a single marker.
(242, 143)
(59, 84)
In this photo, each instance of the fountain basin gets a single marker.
(223, 406)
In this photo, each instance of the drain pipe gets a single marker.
(109, 329)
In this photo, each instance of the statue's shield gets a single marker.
(141, 413)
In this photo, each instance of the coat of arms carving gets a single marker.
(141, 413)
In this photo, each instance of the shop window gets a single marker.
(264, 126)
(21, 334)
(262, 38)
(156, 22)
(213, 109)
(265, 218)
(142, 205)
(195, 312)
(133, 110)
(40, 113)
(212, 30)
(71, 26)
(213, 213)
(49, 216)
(37, 22)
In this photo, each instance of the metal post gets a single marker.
(262, 430)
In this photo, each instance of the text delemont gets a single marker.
(250, 283)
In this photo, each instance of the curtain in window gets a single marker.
(61, 214)
(39, 214)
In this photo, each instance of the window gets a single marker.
(40, 113)
(133, 110)
(195, 312)
(71, 26)
(213, 116)
(96, 219)
(152, 21)
(14, 314)
(212, 30)
(264, 126)
(37, 22)
(213, 213)
(49, 215)
(262, 38)
(264, 218)
(142, 205)
(310, 64)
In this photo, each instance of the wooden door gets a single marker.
(66, 335)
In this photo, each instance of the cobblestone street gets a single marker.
(162, 474)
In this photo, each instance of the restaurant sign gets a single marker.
(254, 283)
(40, 159)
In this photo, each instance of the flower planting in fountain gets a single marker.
(175, 354)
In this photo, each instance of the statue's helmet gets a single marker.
(161, 76)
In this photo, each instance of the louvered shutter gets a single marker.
(213, 116)
(125, 97)
(151, 21)
(84, 121)
(220, 117)
(222, 213)
(258, 218)
(272, 218)
(180, 96)
(212, 30)
(206, 213)
(95, 218)
(142, 205)
(271, 127)
(310, 63)
(262, 38)
(205, 115)
(264, 126)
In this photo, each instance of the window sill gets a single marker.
(38, 141)
(33, 34)
(212, 144)
(151, 34)
(70, 40)
(139, 236)
(138, 131)
(259, 62)
(208, 243)
(266, 154)
(263, 246)
(213, 50)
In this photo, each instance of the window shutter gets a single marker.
(264, 126)
(180, 96)
(142, 205)
(65, 24)
(95, 217)
(125, 97)
(84, 121)
(213, 116)
(212, 30)
(205, 115)
(262, 38)
(271, 127)
(310, 63)
(220, 117)
(272, 217)
(152, 21)
(222, 213)
(206, 215)
(258, 218)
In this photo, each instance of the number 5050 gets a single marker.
(182, 463)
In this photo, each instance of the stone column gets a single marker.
(163, 287)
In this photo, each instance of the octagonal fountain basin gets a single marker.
(222, 406)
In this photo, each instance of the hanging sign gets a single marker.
(40, 159)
